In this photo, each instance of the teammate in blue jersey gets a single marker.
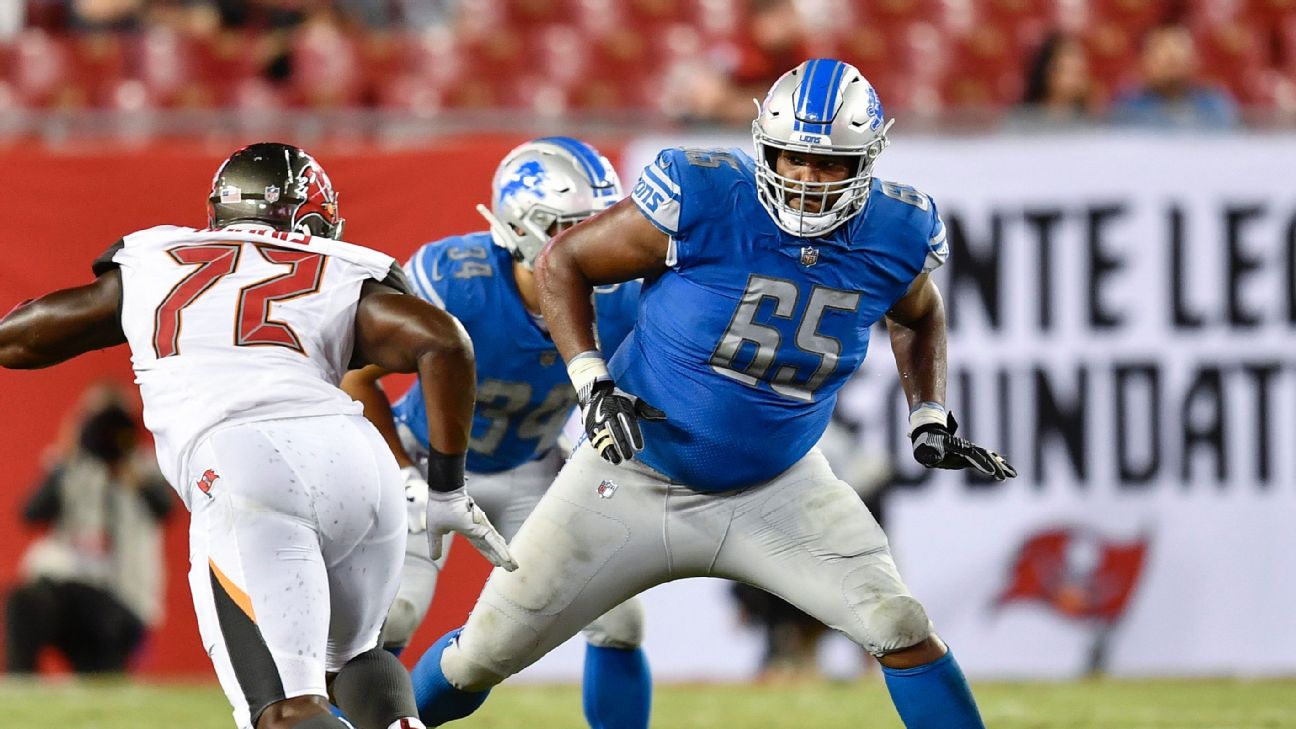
(762, 280)
(524, 394)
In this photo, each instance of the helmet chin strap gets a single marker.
(807, 224)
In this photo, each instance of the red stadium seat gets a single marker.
(97, 64)
(1113, 53)
(326, 69)
(171, 66)
(40, 72)
(984, 68)
(1134, 16)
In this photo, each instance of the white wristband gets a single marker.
(927, 413)
(586, 368)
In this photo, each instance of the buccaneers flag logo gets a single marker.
(207, 481)
(1077, 573)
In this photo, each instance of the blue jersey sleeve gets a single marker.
(420, 270)
(659, 195)
(449, 273)
(937, 245)
(681, 186)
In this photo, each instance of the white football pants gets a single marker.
(295, 542)
(604, 533)
(507, 498)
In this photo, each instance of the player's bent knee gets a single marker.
(402, 621)
(895, 623)
(621, 627)
(466, 674)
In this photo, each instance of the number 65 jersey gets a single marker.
(237, 325)
(746, 338)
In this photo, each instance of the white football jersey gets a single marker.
(237, 325)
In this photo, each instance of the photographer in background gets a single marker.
(92, 585)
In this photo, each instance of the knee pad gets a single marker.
(402, 620)
(621, 627)
(895, 623)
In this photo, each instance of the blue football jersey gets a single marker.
(747, 337)
(523, 393)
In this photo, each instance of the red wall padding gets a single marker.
(58, 210)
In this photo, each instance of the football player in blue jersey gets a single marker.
(524, 394)
(762, 280)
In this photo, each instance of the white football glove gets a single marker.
(416, 498)
(455, 511)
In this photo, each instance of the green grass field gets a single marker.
(1217, 704)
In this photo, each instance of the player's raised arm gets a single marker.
(916, 324)
(617, 245)
(402, 333)
(63, 324)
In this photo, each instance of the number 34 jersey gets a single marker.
(237, 325)
(746, 339)
(523, 393)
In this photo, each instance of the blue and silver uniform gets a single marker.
(523, 392)
(746, 339)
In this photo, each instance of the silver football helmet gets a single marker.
(827, 107)
(547, 181)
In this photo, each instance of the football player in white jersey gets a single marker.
(239, 335)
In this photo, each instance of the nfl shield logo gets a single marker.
(271, 193)
(606, 489)
(809, 255)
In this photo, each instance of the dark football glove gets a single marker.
(936, 446)
(611, 416)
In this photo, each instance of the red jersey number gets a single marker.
(252, 323)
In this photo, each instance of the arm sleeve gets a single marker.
(658, 193)
(396, 279)
(937, 244)
(105, 263)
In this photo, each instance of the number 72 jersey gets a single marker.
(237, 325)
(746, 339)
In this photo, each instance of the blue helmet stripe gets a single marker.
(585, 154)
(816, 95)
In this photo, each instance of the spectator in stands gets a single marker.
(722, 89)
(93, 584)
(1170, 96)
(1059, 87)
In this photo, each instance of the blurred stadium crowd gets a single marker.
(677, 60)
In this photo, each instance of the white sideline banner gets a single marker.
(1123, 327)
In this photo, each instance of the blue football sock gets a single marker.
(933, 696)
(437, 700)
(618, 688)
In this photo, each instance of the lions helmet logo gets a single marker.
(528, 177)
(874, 109)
